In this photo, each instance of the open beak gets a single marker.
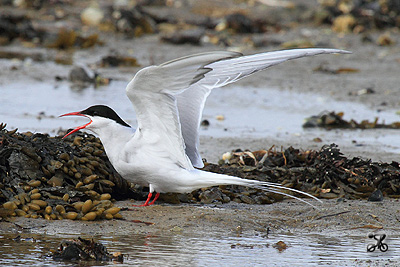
(77, 128)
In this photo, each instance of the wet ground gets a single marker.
(284, 234)
(208, 250)
(264, 110)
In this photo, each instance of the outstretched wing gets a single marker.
(219, 73)
(152, 92)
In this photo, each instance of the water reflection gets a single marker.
(206, 250)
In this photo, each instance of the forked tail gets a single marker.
(212, 179)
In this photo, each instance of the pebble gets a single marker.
(107, 182)
(34, 191)
(34, 207)
(113, 210)
(117, 216)
(89, 187)
(40, 203)
(48, 210)
(220, 117)
(87, 206)
(92, 15)
(108, 216)
(10, 205)
(90, 179)
(247, 199)
(90, 216)
(60, 209)
(65, 197)
(78, 205)
(79, 184)
(64, 156)
(77, 141)
(71, 215)
(376, 196)
(55, 181)
(19, 212)
(34, 183)
(105, 196)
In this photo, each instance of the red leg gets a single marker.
(155, 198)
(148, 200)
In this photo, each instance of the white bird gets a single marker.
(168, 99)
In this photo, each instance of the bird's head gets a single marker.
(100, 117)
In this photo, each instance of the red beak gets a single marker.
(77, 128)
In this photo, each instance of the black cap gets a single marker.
(105, 112)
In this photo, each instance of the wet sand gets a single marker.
(332, 217)
(348, 220)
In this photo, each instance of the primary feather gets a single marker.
(222, 72)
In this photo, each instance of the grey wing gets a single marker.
(190, 106)
(152, 92)
(222, 72)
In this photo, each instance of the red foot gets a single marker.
(148, 200)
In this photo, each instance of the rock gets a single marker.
(133, 22)
(84, 249)
(17, 24)
(192, 36)
(92, 15)
(81, 74)
(376, 196)
(171, 198)
(56, 181)
(211, 196)
(344, 24)
(247, 199)
(385, 39)
(117, 61)
(23, 181)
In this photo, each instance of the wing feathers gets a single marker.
(159, 93)
(200, 59)
(232, 70)
(191, 101)
(152, 92)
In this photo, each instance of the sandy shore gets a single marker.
(332, 217)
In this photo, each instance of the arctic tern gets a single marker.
(168, 99)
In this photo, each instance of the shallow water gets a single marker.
(248, 112)
(206, 250)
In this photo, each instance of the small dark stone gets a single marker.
(205, 123)
(192, 36)
(376, 196)
(71, 252)
(240, 23)
(81, 75)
